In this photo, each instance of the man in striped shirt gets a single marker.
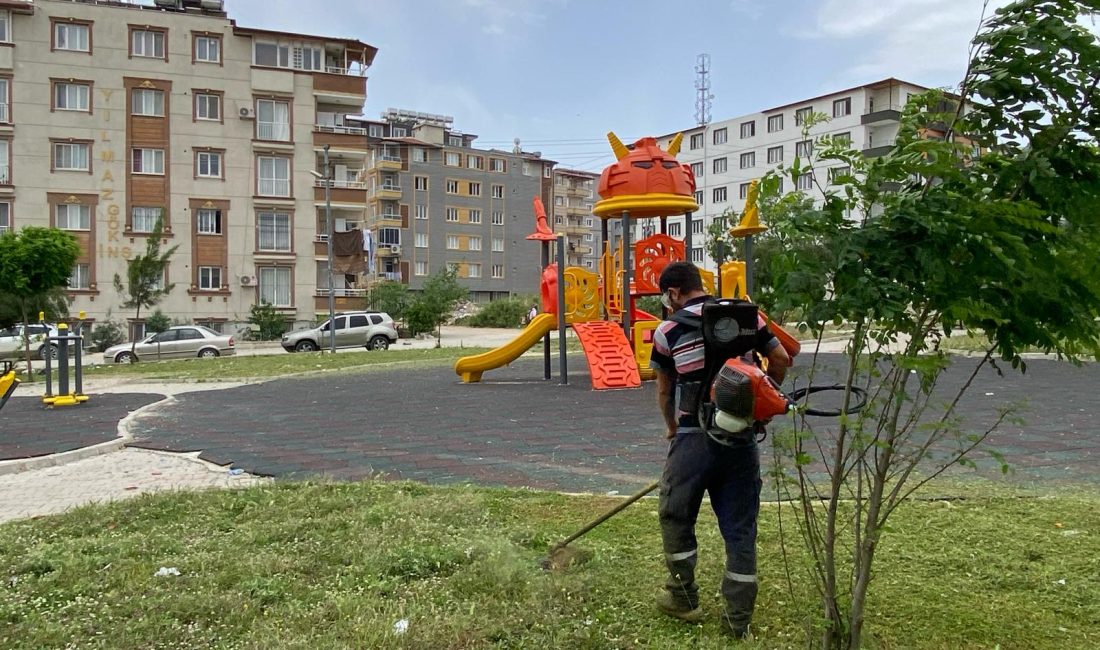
(727, 469)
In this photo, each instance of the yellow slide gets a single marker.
(470, 368)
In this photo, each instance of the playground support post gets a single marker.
(79, 351)
(563, 363)
(546, 339)
(605, 242)
(687, 238)
(748, 265)
(626, 274)
(62, 358)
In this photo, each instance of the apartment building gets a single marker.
(574, 192)
(114, 115)
(727, 156)
(437, 201)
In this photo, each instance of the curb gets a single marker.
(17, 465)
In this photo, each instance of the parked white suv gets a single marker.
(11, 341)
(373, 330)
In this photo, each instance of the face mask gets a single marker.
(666, 301)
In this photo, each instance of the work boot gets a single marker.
(679, 608)
(736, 631)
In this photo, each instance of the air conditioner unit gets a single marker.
(396, 250)
(247, 113)
(248, 280)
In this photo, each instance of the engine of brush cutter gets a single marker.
(742, 395)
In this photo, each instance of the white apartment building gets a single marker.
(727, 156)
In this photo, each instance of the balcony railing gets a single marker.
(279, 131)
(322, 291)
(390, 216)
(4, 112)
(275, 188)
(339, 184)
(329, 128)
(5, 174)
(390, 275)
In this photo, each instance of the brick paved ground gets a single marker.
(516, 430)
(28, 429)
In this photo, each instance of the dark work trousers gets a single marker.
(731, 475)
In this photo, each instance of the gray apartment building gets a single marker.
(435, 200)
(574, 196)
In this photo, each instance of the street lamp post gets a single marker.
(327, 179)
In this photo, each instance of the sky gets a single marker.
(559, 74)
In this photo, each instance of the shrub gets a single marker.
(157, 322)
(390, 297)
(506, 312)
(271, 323)
(106, 334)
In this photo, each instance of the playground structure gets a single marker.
(645, 182)
(66, 341)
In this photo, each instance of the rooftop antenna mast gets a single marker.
(703, 96)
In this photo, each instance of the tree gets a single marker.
(145, 285)
(431, 307)
(957, 230)
(718, 243)
(268, 321)
(390, 297)
(157, 322)
(35, 263)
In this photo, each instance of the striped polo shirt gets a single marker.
(678, 351)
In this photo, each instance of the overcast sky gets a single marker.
(558, 74)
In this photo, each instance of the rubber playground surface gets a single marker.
(29, 429)
(514, 429)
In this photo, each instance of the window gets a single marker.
(208, 107)
(419, 154)
(748, 160)
(546, 171)
(475, 216)
(748, 129)
(421, 211)
(697, 169)
(147, 161)
(147, 43)
(842, 107)
(453, 242)
(146, 101)
(496, 165)
(699, 197)
(475, 243)
(802, 114)
(743, 190)
(775, 155)
(389, 236)
(588, 236)
(675, 229)
(420, 183)
(5, 100)
(452, 186)
(274, 176)
(454, 141)
(588, 223)
(452, 159)
(473, 271)
(421, 268)
(836, 172)
(398, 131)
(775, 123)
(696, 226)
(498, 191)
(452, 214)
(81, 277)
(274, 231)
(208, 49)
(67, 96)
(805, 181)
(71, 156)
(475, 162)
(498, 245)
(844, 139)
(720, 195)
(375, 130)
(72, 36)
(5, 217)
(695, 141)
(498, 271)
(720, 165)
(721, 136)
(697, 255)
(498, 218)
(779, 188)
(208, 164)
(275, 285)
(527, 170)
(272, 120)
(804, 148)
(144, 219)
(74, 217)
(210, 278)
(208, 222)
(421, 240)
(475, 189)
(5, 26)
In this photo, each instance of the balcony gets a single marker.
(574, 229)
(878, 150)
(578, 211)
(578, 192)
(386, 162)
(392, 276)
(580, 250)
(386, 192)
(388, 250)
(882, 116)
(340, 136)
(338, 292)
(336, 86)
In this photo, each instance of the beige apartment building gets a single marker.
(113, 114)
(574, 196)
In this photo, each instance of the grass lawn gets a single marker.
(337, 565)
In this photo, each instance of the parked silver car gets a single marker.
(11, 341)
(373, 330)
(180, 342)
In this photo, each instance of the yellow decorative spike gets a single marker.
(617, 145)
(674, 146)
(750, 218)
